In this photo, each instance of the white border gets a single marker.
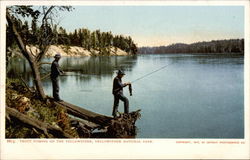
(2, 77)
(159, 148)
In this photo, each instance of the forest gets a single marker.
(82, 37)
(215, 46)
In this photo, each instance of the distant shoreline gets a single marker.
(216, 47)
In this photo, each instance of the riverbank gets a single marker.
(78, 51)
(27, 116)
(24, 102)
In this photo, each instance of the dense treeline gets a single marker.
(97, 40)
(219, 46)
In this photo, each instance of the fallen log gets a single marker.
(84, 114)
(34, 123)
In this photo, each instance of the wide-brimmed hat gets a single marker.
(120, 72)
(58, 55)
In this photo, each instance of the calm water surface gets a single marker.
(195, 96)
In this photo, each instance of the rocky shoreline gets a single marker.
(70, 51)
(78, 51)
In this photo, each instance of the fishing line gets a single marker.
(149, 74)
(135, 102)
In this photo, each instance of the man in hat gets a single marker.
(55, 72)
(118, 93)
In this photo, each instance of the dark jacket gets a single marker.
(118, 86)
(55, 70)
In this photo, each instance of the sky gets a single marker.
(159, 25)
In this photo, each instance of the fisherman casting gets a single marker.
(118, 93)
(55, 72)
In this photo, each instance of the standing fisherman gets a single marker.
(55, 72)
(118, 93)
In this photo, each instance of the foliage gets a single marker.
(52, 34)
(42, 23)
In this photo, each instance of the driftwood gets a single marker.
(44, 127)
(85, 114)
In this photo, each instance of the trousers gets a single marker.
(55, 86)
(121, 97)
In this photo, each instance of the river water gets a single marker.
(194, 96)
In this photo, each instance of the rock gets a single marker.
(23, 104)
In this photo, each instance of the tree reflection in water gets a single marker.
(81, 68)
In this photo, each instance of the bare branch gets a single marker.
(46, 39)
(42, 53)
(25, 84)
(46, 13)
(44, 63)
(46, 76)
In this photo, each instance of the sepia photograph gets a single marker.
(141, 76)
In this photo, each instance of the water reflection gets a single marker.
(81, 68)
(19, 67)
(104, 66)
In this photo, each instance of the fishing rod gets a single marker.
(130, 85)
(148, 74)
(64, 74)
(70, 74)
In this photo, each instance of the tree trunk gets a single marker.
(31, 59)
(33, 123)
(37, 79)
